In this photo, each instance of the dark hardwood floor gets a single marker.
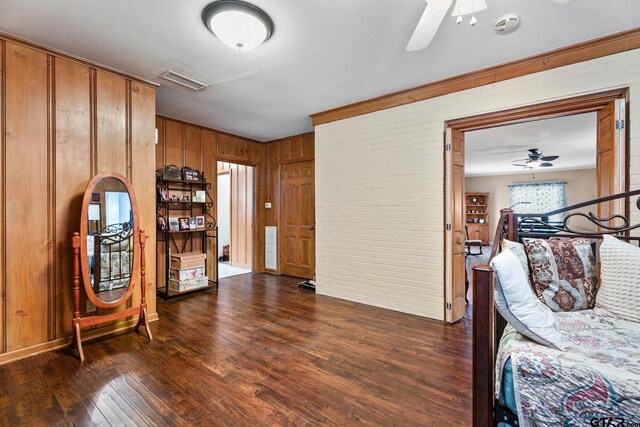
(257, 352)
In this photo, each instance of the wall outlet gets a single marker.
(91, 308)
(267, 205)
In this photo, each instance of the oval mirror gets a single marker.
(108, 240)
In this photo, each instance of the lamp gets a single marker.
(238, 24)
(466, 7)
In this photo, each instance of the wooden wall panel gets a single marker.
(275, 153)
(3, 323)
(142, 149)
(111, 126)
(174, 144)
(61, 121)
(160, 145)
(181, 142)
(27, 185)
(73, 171)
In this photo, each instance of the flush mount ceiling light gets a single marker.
(238, 24)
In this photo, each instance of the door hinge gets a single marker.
(448, 306)
(619, 124)
(447, 147)
(448, 227)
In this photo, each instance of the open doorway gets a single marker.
(538, 166)
(235, 204)
(611, 172)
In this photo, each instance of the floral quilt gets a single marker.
(596, 377)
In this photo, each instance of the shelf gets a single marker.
(181, 181)
(477, 206)
(168, 202)
(173, 292)
(199, 230)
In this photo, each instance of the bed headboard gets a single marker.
(488, 325)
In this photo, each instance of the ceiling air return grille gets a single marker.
(185, 81)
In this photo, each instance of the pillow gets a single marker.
(563, 273)
(516, 302)
(619, 294)
(518, 250)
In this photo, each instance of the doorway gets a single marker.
(611, 171)
(235, 205)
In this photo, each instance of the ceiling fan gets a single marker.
(434, 14)
(536, 159)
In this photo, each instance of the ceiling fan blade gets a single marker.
(515, 164)
(546, 165)
(428, 25)
(549, 158)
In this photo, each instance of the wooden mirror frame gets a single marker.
(81, 265)
(86, 274)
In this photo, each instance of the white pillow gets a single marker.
(619, 294)
(517, 303)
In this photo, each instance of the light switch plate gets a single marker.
(267, 205)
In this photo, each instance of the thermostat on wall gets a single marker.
(267, 205)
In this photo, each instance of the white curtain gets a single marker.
(543, 197)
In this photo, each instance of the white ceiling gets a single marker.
(492, 151)
(323, 54)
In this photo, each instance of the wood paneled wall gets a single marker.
(61, 122)
(182, 143)
(186, 144)
(275, 153)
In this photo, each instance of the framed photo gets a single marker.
(183, 223)
(95, 197)
(199, 197)
(173, 224)
(200, 221)
(174, 198)
(193, 224)
(189, 174)
(185, 198)
(162, 224)
(163, 192)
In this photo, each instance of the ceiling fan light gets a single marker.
(239, 25)
(459, 19)
(473, 21)
(467, 7)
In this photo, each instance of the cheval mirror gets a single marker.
(108, 254)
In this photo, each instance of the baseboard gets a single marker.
(90, 335)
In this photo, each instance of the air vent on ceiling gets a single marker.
(185, 81)
(507, 24)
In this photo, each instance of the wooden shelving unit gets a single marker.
(477, 216)
(178, 245)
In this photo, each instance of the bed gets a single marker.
(517, 382)
(112, 246)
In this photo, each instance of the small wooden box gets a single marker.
(187, 260)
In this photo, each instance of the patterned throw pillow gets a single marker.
(563, 273)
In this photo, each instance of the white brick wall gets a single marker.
(380, 177)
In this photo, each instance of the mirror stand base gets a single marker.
(79, 322)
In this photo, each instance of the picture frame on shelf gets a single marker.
(162, 224)
(185, 198)
(163, 193)
(200, 221)
(193, 224)
(199, 196)
(183, 223)
(173, 224)
(174, 198)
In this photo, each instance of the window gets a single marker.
(542, 197)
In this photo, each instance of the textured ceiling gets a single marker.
(573, 138)
(323, 54)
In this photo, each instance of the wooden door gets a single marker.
(610, 170)
(297, 224)
(483, 233)
(455, 231)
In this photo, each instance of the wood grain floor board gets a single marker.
(257, 352)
